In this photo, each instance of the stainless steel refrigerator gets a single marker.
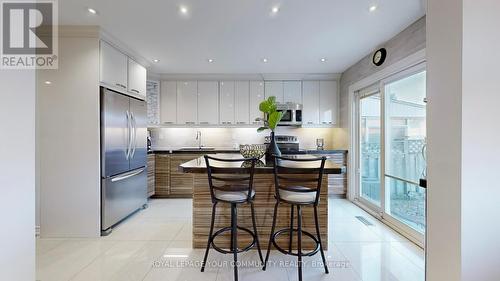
(123, 157)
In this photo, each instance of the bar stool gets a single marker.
(291, 190)
(235, 189)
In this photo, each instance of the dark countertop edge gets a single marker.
(326, 151)
(258, 170)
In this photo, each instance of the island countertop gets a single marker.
(198, 165)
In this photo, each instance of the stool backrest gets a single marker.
(310, 170)
(219, 179)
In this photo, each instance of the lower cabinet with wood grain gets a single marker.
(151, 174)
(169, 182)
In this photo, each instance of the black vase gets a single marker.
(272, 149)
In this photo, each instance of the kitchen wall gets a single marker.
(17, 176)
(68, 138)
(407, 42)
(233, 137)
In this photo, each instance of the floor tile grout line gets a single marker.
(83, 268)
(406, 257)
(352, 266)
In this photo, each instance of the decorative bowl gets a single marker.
(253, 150)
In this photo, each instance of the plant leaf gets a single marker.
(274, 119)
(261, 129)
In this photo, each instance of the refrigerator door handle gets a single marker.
(134, 134)
(127, 175)
(127, 151)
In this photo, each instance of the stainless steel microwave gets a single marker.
(292, 114)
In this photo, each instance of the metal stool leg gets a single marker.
(319, 239)
(299, 238)
(209, 236)
(234, 242)
(271, 235)
(291, 231)
(255, 232)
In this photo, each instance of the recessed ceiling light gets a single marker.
(92, 11)
(265, 60)
(156, 60)
(183, 10)
(210, 60)
(275, 9)
(322, 59)
(47, 82)
(373, 8)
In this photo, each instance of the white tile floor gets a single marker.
(155, 244)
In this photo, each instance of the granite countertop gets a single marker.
(198, 165)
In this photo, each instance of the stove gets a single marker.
(286, 144)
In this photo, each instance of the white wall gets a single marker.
(480, 140)
(17, 176)
(443, 139)
(68, 139)
(463, 137)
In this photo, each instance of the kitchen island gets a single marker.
(264, 204)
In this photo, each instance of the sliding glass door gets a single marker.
(369, 127)
(405, 134)
(391, 141)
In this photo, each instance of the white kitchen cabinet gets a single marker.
(187, 102)
(274, 88)
(227, 105)
(208, 102)
(310, 103)
(328, 102)
(242, 103)
(168, 102)
(292, 91)
(136, 78)
(113, 67)
(256, 97)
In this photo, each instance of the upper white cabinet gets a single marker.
(256, 97)
(168, 102)
(187, 102)
(310, 102)
(121, 73)
(328, 102)
(242, 103)
(233, 103)
(292, 91)
(208, 102)
(274, 88)
(227, 104)
(113, 67)
(136, 78)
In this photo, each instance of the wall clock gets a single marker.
(379, 57)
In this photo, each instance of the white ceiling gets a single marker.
(237, 34)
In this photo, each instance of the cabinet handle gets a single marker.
(135, 91)
(241, 123)
(189, 123)
(309, 122)
(168, 122)
(204, 123)
(121, 85)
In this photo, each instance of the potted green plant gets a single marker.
(270, 121)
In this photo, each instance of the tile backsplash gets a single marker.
(233, 137)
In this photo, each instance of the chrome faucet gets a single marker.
(198, 138)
